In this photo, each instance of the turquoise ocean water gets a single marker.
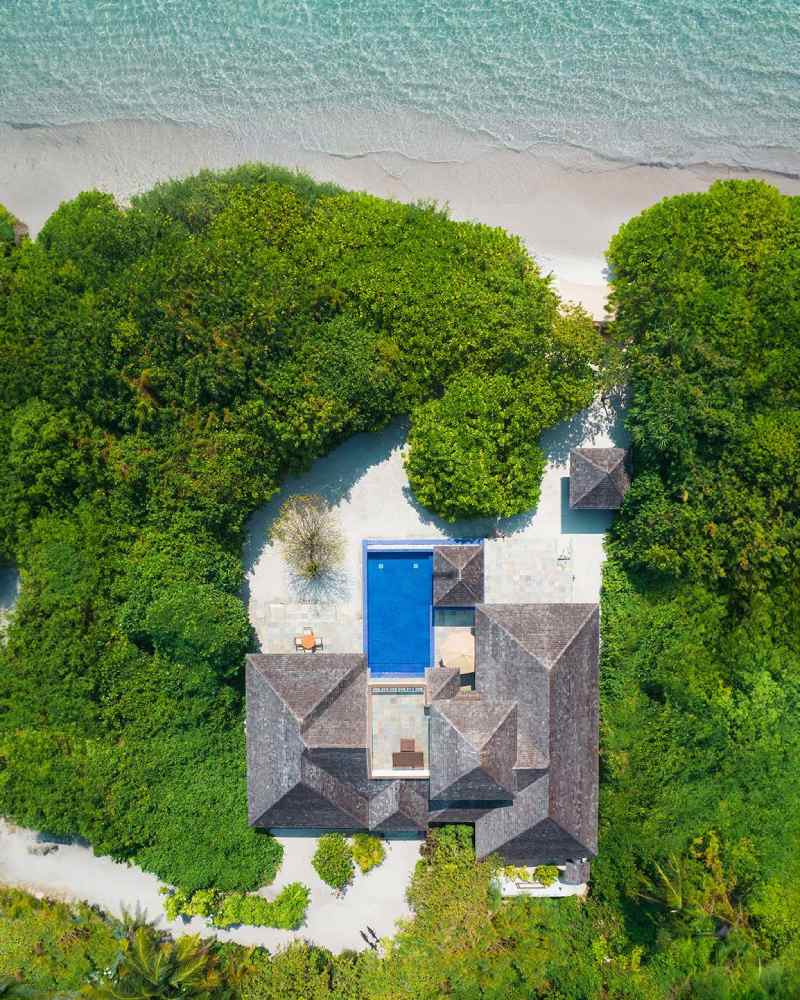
(653, 81)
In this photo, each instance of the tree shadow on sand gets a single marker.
(601, 421)
(331, 477)
(9, 587)
(469, 529)
(325, 588)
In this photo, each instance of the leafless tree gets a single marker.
(309, 537)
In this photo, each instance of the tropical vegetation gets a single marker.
(309, 537)
(368, 851)
(163, 369)
(700, 667)
(333, 860)
(224, 909)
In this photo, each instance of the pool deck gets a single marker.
(551, 554)
(396, 716)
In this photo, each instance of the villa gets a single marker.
(454, 710)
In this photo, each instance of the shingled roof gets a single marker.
(442, 682)
(294, 705)
(457, 575)
(472, 750)
(543, 656)
(307, 763)
(399, 806)
(599, 478)
(518, 757)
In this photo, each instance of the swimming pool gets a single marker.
(399, 600)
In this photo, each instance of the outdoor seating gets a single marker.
(307, 642)
(408, 760)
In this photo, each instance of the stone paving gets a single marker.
(395, 717)
(548, 554)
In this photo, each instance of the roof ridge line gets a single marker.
(349, 790)
(328, 698)
(313, 715)
(516, 639)
(577, 632)
(606, 473)
(511, 707)
(460, 732)
(591, 461)
(604, 483)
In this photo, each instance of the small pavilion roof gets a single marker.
(457, 575)
(599, 478)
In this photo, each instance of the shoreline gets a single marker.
(564, 203)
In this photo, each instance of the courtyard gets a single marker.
(550, 554)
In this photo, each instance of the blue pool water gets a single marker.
(399, 599)
(658, 81)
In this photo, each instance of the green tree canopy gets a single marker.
(474, 452)
(162, 369)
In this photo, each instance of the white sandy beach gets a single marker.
(564, 204)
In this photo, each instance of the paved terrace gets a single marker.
(551, 554)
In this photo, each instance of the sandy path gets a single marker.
(73, 872)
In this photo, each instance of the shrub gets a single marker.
(197, 622)
(189, 848)
(333, 860)
(309, 537)
(289, 906)
(546, 874)
(517, 873)
(7, 221)
(176, 903)
(474, 452)
(203, 903)
(52, 946)
(368, 851)
(453, 843)
(286, 911)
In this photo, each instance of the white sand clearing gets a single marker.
(550, 554)
(563, 203)
(73, 872)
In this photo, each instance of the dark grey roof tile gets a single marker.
(599, 478)
(442, 682)
(457, 575)
(472, 749)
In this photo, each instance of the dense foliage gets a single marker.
(224, 909)
(368, 851)
(700, 669)
(7, 236)
(333, 860)
(151, 964)
(471, 453)
(474, 451)
(49, 945)
(161, 370)
(708, 302)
